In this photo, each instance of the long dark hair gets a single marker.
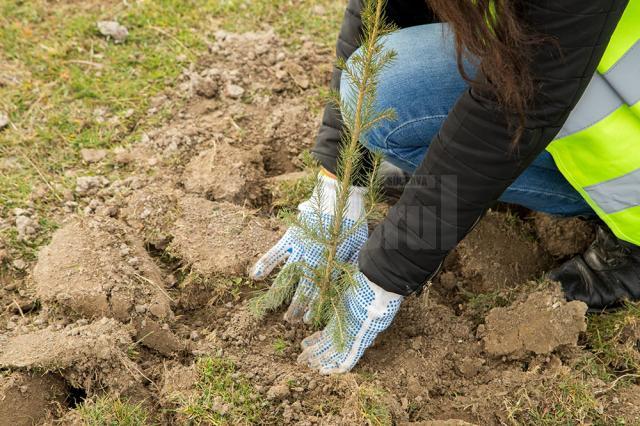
(494, 32)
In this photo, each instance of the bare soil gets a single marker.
(152, 276)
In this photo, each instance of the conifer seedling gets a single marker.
(360, 115)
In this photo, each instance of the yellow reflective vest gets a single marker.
(598, 148)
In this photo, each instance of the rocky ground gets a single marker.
(141, 294)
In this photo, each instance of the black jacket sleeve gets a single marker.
(402, 13)
(472, 159)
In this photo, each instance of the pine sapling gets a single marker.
(359, 114)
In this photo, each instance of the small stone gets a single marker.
(171, 281)
(20, 264)
(416, 344)
(11, 325)
(122, 156)
(112, 29)
(404, 402)
(93, 155)
(20, 212)
(4, 120)
(94, 204)
(157, 310)
(470, 367)
(26, 227)
(234, 91)
(262, 337)
(278, 392)
(141, 309)
(206, 87)
(194, 335)
(282, 75)
(89, 185)
(319, 9)
(110, 211)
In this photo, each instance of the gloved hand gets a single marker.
(369, 310)
(294, 247)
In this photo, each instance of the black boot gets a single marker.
(606, 275)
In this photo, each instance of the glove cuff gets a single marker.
(326, 189)
(382, 297)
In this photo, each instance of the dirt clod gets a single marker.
(540, 324)
(151, 211)
(93, 155)
(491, 264)
(219, 238)
(113, 30)
(234, 91)
(88, 267)
(153, 335)
(26, 226)
(27, 399)
(207, 87)
(90, 185)
(278, 392)
(86, 356)
(226, 173)
(563, 237)
(4, 120)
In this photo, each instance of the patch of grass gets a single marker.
(614, 340)
(223, 396)
(479, 305)
(280, 345)
(223, 289)
(106, 411)
(372, 410)
(568, 400)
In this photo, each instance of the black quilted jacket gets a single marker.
(471, 160)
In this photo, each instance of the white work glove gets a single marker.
(368, 311)
(293, 247)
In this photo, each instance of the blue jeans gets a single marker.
(422, 85)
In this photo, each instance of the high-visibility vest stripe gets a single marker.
(606, 93)
(625, 74)
(617, 194)
(598, 148)
(597, 103)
